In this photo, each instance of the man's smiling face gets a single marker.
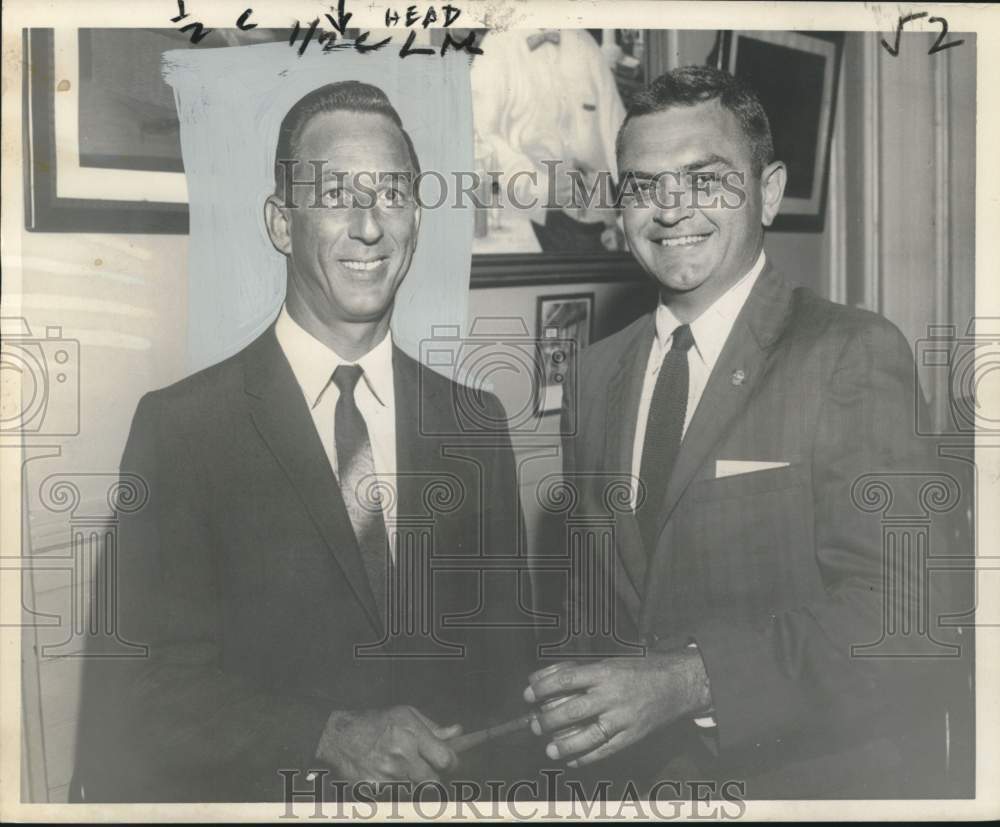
(690, 248)
(348, 257)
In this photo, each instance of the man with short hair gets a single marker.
(742, 410)
(280, 573)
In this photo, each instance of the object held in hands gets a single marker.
(461, 743)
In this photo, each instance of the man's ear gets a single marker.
(278, 223)
(772, 188)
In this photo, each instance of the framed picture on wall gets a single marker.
(102, 137)
(565, 326)
(547, 105)
(796, 76)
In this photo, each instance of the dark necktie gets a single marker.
(355, 472)
(663, 432)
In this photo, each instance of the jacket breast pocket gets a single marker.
(794, 475)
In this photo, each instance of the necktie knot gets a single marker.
(682, 339)
(346, 377)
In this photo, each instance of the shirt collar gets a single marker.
(313, 363)
(711, 329)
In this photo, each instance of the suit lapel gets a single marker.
(748, 349)
(414, 449)
(622, 409)
(282, 418)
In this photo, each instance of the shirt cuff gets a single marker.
(704, 721)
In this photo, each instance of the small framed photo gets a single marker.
(795, 75)
(565, 326)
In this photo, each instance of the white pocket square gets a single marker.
(732, 467)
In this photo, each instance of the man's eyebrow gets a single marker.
(699, 163)
(370, 179)
(637, 173)
(706, 161)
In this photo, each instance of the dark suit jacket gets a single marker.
(243, 577)
(775, 574)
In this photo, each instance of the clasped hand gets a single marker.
(593, 710)
(396, 744)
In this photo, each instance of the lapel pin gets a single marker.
(738, 377)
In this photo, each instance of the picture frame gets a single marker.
(101, 135)
(564, 326)
(796, 75)
(626, 54)
(63, 195)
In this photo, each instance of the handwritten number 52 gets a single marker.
(939, 45)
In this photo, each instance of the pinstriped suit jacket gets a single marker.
(775, 574)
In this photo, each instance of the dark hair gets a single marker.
(690, 85)
(343, 96)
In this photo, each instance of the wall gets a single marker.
(910, 235)
(123, 299)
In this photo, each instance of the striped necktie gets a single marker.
(356, 475)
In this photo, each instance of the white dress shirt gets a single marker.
(313, 364)
(710, 331)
